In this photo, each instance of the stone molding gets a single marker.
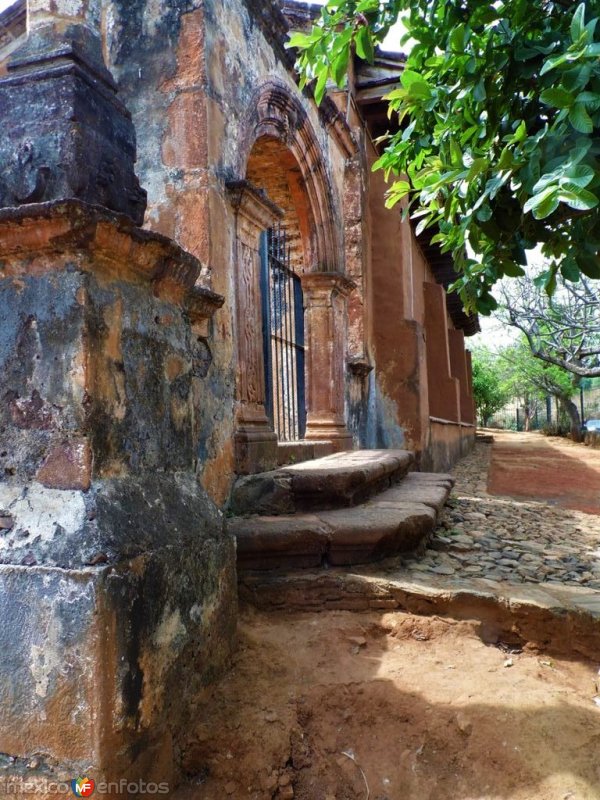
(105, 242)
(276, 111)
(328, 282)
(253, 205)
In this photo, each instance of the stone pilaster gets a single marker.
(256, 442)
(325, 295)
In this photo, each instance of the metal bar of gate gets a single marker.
(283, 337)
(276, 327)
(288, 360)
(265, 287)
(299, 339)
(294, 376)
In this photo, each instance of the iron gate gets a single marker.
(283, 337)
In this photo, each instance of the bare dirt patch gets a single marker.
(346, 706)
(551, 469)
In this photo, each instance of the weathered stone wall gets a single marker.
(117, 578)
(192, 74)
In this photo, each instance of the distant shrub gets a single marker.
(592, 439)
(555, 429)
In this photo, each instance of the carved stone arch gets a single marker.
(277, 136)
(275, 112)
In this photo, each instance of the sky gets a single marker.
(5, 4)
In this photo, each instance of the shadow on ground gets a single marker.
(394, 707)
(558, 471)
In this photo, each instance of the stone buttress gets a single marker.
(117, 578)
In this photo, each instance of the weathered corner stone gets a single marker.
(96, 657)
(117, 578)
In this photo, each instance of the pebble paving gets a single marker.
(504, 539)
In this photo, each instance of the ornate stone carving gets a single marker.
(25, 175)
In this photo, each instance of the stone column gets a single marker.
(325, 295)
(255, 439)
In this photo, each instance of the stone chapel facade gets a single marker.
(237, 299)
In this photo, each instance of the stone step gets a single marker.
(338, 480)
(395, 521)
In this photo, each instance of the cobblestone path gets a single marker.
(514, 539)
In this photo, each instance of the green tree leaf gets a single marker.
(580, 119)
(557, 97)
(577, 23)
(578, 198)
(544, 203)
(364, 44)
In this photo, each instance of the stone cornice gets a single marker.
(71, 234)
(328, 281)
(253, 203)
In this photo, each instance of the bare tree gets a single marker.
(563, 330)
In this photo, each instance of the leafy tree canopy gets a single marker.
(523, 375)
(499, 112)
(514, 372)
(489, 390)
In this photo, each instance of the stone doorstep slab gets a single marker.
(342, 474)
(414, 488)
(340, 479)
(371, 532)
(436, 478)
(340, 537)
(299, 541)
(557, 619)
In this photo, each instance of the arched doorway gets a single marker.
(286, 249)
(284, 206)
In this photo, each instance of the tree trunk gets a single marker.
(570, 408)
(527, 415)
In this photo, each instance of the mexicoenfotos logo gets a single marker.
(83, 787)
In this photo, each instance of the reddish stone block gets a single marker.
(31, 412)
(67, 466)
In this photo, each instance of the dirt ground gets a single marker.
(546, 468)
(350, 706)
(390, 706)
